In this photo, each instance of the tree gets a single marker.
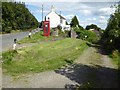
(111, 35)
(67, 23)
(15, 16)
(74, 22)
(92, 26)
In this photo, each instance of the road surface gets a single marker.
(7, 39)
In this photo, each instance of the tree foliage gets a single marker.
(74, 22)
(86, 35)
(15, 16)
(92, 26)
(111, 36)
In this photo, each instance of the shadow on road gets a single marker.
(99, 48)
(90, 76)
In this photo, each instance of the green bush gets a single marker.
(61, 33)
(67, 33)
(8, 30)
(115, 56)
(8, 56)
(86, 35)
(59, 27)
(91, 36)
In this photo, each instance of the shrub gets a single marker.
(86, 35)
(8, 30)
(59, 27)
(8, 56)
(91, 36)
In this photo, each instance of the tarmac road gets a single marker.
(7, 40)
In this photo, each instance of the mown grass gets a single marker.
(37, 37)
(43, 57)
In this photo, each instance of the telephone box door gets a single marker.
(46, 28)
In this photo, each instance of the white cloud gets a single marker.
(49, 0)
(106, 11)
(102, 17)
(69, 16)
(83, 8)
(94, 19)
(86, 22)
(86, 12)
(38, 11)
(90, 19)
(102, 21)
(68, 0)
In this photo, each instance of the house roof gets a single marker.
(61, 17)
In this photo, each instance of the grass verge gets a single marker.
(37, 37)
(43, 57)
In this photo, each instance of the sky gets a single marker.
(88, 11)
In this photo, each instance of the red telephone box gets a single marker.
(46, 28)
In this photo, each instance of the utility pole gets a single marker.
(60, 13)
(42, 12)
(42, 15)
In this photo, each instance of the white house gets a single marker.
(56, 19)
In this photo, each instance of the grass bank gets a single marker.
(43, 57)
(37, 37)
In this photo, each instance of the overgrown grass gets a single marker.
(0, 59)
(42, 57)
(116, 57)
(37, 37)
(116, 60)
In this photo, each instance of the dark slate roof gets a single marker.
(61, 17)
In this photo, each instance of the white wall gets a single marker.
(54, 19)
(63, 22)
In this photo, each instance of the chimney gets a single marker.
(52, 8)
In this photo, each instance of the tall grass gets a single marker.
(116, 57)
(42, 57)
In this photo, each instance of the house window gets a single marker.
(61, 21)
(48, 18)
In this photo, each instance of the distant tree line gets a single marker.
(15, 16)
(92, 26)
